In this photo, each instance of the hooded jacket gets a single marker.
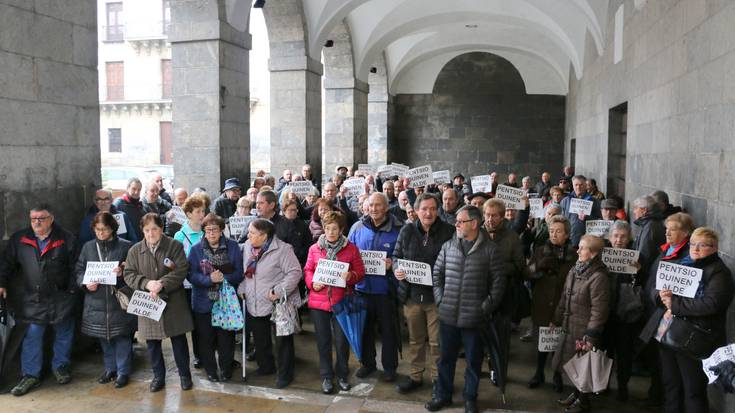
(367, 237)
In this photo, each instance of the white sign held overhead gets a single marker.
(100, 272)
(598, 227)
(329, 272)
(400, 169)
(537, 207)
(142, 304)
(301, 188)
(420, 176)
(365, 168)
(177, 215)
(374, 262)
(416, 272)
(239, 224)
(549, 339)
(512, 197)
(442, 177)
(620, 260)
(680, 279)
(580, 206)
(121, 227)
(385, 170)
(356, 186)
(480, 183)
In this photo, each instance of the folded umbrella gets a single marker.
(351, 313)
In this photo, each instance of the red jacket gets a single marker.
(320, 300)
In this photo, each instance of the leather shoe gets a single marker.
(470, 406)
(389, 376)
(157, 384)
(364, 371)
(213, 378)
(577, 407)
(408, 386)
(344, 385)
(435, 404)
(107, 377)
(283, 383)
(122, 381)
(186, 383)
(536, 380)
(327, 386)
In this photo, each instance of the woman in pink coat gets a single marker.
(331, 245)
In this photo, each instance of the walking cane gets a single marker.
(244, 342)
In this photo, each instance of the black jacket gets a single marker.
(468, 287)
(510, 256)
(224, 207)
(652, 235)
(47, 286)
(295, 233)
(416, 245)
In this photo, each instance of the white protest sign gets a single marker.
(416, 272)
(580, 206)
(329, 272)
(680, 279)
(100, 272)
(385, 170)
(549, 339)
(537, 207)
(177, 215)
(239, 224)
(480, 183)
(442, 177)
(620, 260)
(374, 262)
(142, 304)
(510, 196)
(301, 188)
(598, 227)
(400, 169)
(356, 186)
(365, 168)
(721, 354)
(420, 176)
(121, 228)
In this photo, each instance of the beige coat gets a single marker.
(142, 266)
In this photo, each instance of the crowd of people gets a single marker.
(491, 267)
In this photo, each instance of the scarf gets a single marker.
(332, 248)
(255, 255)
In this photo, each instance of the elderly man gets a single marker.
(608, 209)
(389, 190)
(512, 180)
(663, 205)
(651, 232)
(226, 204)
(468, 288)
(152, 202)
(308, 175)
(42, 258)
(543, 187)
(284, 180)
(158, 179)
(450, 204)
(378, 231)
(103, 202)
(399, 210)
(577, 220)
(493, 182)
(172, 227)
(130, 204)
(421, 241)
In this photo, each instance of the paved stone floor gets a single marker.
(257, 395)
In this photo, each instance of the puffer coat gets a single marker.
(549, 267)
(325, 298)
(103, 317)
(468, 287)
(143, 266)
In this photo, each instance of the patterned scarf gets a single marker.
(255, 255)
(332, 248)
(213, 258)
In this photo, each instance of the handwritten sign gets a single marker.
(620, 260)
(721, 354)
(442, 177)
(301, 188)
(480, 183)
(598, 227)
(385, 170)
(328, 273)
(549, 339)
(142, 304)
(374, 262)
(239, 224)
(420, 176)
(680, 279)
(365, 168)
(580, 206)
(537, 207)
(416, 272)
(400, 169)
(100, 272)
(356, 186)
(512, 197)
(121, 227)
(177, 215)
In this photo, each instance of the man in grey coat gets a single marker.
(468, 287)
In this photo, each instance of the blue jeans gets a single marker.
(450, 340)
(31, 356)
(117, 354)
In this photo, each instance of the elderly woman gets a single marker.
(684, 382)
(332, 245)
(321, 207)
(271, 270)
(537, 237)
(295, 230)
(212, 261)
(548, 269)
(157, 265)
(103, 318)
(582, 311)
(556, 194)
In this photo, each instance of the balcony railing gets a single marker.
(136, 31)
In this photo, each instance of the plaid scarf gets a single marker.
(255, 255)
(332, 248)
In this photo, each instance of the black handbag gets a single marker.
(683, 336)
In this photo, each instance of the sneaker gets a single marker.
(364, 371)
(26, 384)
(62, 374)
(327, 386)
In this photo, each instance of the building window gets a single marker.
(115, 80)
(114, 140)
(166, 87)
(166, 16)
(115, 30)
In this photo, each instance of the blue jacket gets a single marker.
(86, 234)
(366, 237)
(579, 227)
(200, 282)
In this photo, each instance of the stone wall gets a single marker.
(49, 140)
(479, 119)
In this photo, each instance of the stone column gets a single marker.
(378, 104)
(345, 123)
(211, 97)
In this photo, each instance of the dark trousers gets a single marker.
(194, 335)
(326, 327)
(622, 339)
(451, 338)
(381, 311)
(117, 353)
(181, 356)
(653, 362)
(684, 383)
(261, 328)
(213, 339)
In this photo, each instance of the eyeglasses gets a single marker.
(460, 222)
(212, 230)
(103, 199)
(103, 229)
(40, 219)
(700, 245)
(292, 210)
